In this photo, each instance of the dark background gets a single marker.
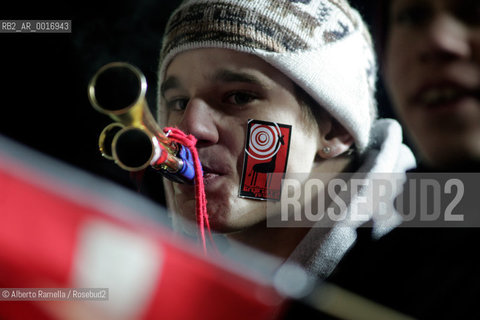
(44, 76)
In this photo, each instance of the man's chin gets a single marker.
(223, 217)
(217, 224)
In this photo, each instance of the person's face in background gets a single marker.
(432, 72)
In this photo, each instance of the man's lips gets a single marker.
(209, 175)
(209, 178)
(211, 171)
(444, 94)
(215, 166)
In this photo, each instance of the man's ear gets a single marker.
(334, 139)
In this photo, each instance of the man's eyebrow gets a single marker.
(170, 83)
(231, 76)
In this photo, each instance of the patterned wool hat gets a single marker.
(322, 45)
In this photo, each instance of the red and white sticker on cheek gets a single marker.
(266, 153)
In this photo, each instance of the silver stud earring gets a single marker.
(326, 150)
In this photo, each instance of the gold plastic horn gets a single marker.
(134, 140)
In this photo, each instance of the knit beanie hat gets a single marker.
(321, 45)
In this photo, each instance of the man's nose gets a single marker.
(446, 38)
(199, 119)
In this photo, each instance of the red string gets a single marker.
(190, 141)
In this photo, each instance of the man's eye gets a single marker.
(240, 98)
(413, 15)
(177, 104)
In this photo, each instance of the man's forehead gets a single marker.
(222, 75)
